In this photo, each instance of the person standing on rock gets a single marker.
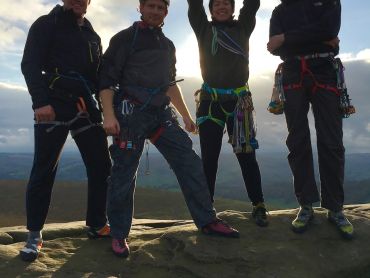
(304, 33)
(60, 65)
(225, 98)
(140, 62)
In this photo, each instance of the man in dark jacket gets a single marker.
(60, 65)
(141, 61)
(304, 34)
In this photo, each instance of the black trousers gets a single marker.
(93, 147)
(210, 135)
(325, 103)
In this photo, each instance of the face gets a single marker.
(153, 12)
(222, 10)
(79, 7)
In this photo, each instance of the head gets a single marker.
(222, 10)
(153, 12)
(79, 7)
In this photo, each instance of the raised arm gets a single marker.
(247, 15)
(197, 16)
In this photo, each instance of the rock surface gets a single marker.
(166, 248)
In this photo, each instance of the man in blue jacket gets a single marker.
(60, 65)
(304, 34)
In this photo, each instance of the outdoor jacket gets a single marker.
(306, 25)
(140, 60)
(224, 69)
(56, 43)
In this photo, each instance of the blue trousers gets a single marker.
(176, 146)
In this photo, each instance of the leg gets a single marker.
(251, 175)
(93, 147)
(210, 136)
(48, 147)
(121, 188)
(250, 170)
(328, 122)
(176, 147)
(299, 145)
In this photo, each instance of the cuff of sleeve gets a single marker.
(39, 103)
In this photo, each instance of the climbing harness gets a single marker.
(221, 38)
(81, 114)
(276, 105)
(244, 132)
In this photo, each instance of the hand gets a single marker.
(45, 114)
(275, 42)
(190, 126)
(334, 43)
(111, 125)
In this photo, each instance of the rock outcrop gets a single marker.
(162, 249)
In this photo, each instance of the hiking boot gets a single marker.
(31, 250)
(220, 228)
(120, 248)
(100, 232)
(303, 219)
(342, 223)
(259, 215)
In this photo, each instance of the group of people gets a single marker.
(133, 85)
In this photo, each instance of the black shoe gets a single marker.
(259, 214)
(342, 223)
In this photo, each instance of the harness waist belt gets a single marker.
(315, 56)
(234, 91)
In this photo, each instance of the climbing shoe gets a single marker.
(100, 232)
(303, 219)
(342, 223)
(31, 250)
(220, 228)
(259, 214)
(120, 248)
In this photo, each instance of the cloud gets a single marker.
(362, 55)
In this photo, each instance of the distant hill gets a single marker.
(276, 175)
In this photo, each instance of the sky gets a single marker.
(110, 16)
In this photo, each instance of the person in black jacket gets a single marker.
(224, 59)
(60, 65)
(304, 33)
(141, 61)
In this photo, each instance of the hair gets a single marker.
(167, 2)
(232, 2)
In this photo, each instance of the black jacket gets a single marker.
(56, 42)
(225, 69)
(306, 24)
(139, 58)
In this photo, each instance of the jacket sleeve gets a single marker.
(247, 15)
(173, 62)
(276, 27)
(197, 16)
(113, 62)
(324, 29)
(34, 60)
